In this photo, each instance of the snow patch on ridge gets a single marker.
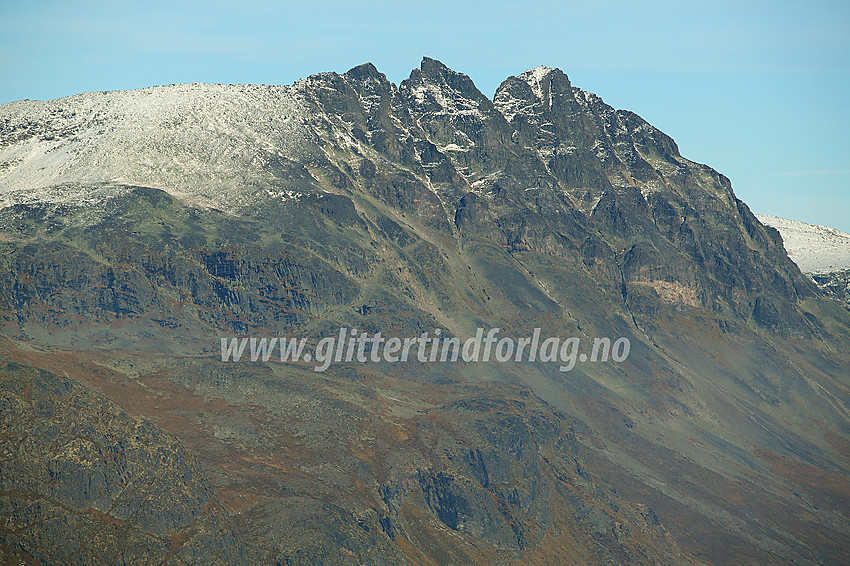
(206, 140)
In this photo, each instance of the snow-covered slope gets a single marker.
(816, 249)
(193, 140)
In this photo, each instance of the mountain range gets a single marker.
(138, 228)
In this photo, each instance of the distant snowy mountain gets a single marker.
(820, 251)
(816, 249)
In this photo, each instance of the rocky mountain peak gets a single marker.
(457, 118)
(538, 90)
(435, 88)
(435, 73)
(364, 72)
(366, 79)
(547, 81)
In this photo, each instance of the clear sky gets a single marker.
(758, 90)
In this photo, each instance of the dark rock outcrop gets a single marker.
(81, 482)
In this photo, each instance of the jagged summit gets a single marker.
(434, 88)
(543, 80)
(434, 73)
(365, 71)
(221, 144)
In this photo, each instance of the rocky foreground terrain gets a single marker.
(138, 228)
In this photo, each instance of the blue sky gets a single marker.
(758, 90)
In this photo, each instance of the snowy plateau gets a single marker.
(815, 249)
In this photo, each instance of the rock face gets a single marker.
(139, 227)
(835, 284)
